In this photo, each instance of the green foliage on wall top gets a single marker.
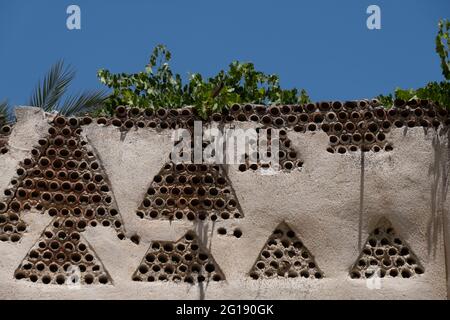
(438, 92)
(159, 87)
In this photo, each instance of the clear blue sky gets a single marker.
(323, 46)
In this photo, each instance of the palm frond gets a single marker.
(48, 93)
(84, 102)
(4, 112)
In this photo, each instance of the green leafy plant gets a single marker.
(158, 87)
(442, 47)
(438, 92)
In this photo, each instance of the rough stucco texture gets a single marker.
(332, 204)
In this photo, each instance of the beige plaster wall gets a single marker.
(332, 203)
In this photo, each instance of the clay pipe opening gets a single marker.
(44, 162)
(128, 124)
(182, 203)
(392, 113)
(121, 111)
(60, 121)
(337, 105)
(116, 122)
(22, 193)
(134, 112)
(330, 116)
(380, 113)
(260, 109)
(398, 123)
(424, 103)
(357, 138)
(304, 118)
(381, 137)
(375, 102)
(355, 116)
(292, 155)
(54, 186)
(186, 112)
(73, 122)
(425, 123)
(362, 126)
(219, 204)
(362, 104)
(350, 127)
(418, 112)
(274, 111)
(285, 109)
(266, 120)
(376, 148)
(279, 122)
(162, 113)
(311, 107)
(27, 163)
(369, 137)
(368, 115)
(312, 127)
(431, 113)
(235, 108)
(325, 127)
(405, 113)
(413, 103)
(342, 116)
(337, 127)
(411, 123)
(148, 113)
(442, 112)
(46, 197)
(216, 117)
(345, 138)
(87, 120)
(324, 106)
(350, 105)
(242, 117)
(317, 117)
(5, 130)
(386, 125)
(373, 127)
(334, 140)
(288, 165)
(248, 108)
(102, 121)
(399, 103)
(292, 120)
(330, 150)
(436, 123)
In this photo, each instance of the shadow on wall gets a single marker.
(438, 170)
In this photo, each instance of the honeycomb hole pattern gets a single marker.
(237, 233)
(187, 191)
(5, 132)
(350, 125)
(62, 256)
(63, 179)
(186, 260)
(285, 255)
(385, 254)
(288, 157)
